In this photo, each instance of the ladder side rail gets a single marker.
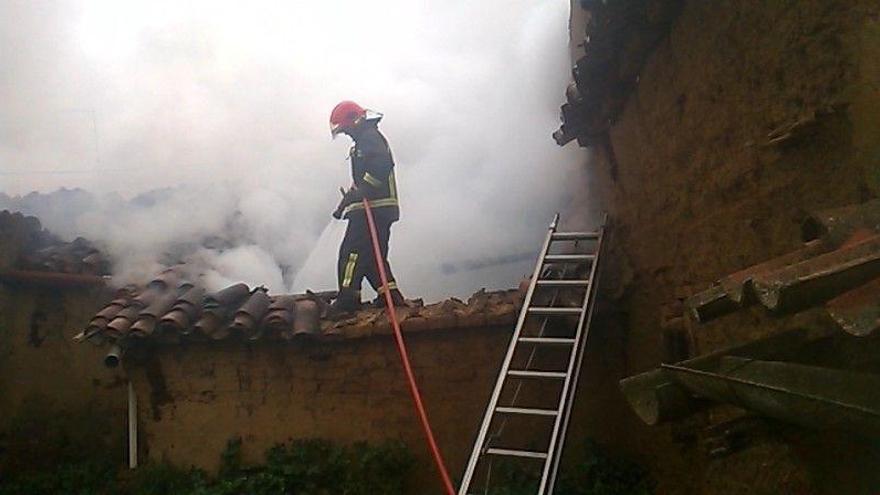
(578, 343)
(565, 416)
(499, 431)
(499, 382)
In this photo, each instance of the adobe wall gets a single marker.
(193, 399)
(39, 360)
(699, 190)
(44, 375)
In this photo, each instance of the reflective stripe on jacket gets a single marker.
(372, 170)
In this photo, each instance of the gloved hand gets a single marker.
(345, 201)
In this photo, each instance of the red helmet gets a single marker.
(345, 115)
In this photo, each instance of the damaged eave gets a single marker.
(36, 257)
(617, 40)
(839, 268)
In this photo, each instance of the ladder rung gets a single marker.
(517, 453)
(539, 310)
(527, 411)
(536, 374)
(575, 236)
(563, 283)
(546, 340)
(568, 258)
(576, 256)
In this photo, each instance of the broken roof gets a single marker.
(838, 267)
(171, 309)
(619, 37)
(31, 248)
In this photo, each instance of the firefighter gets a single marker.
(372, 172)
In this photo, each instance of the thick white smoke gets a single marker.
(219, 111)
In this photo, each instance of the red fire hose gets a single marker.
(404, 357)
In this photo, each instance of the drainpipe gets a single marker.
(132, 428)
(114, 356)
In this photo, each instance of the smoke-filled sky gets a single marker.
(223, 105)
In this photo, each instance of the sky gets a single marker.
(222, 108)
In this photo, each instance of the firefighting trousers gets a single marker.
(356, 252)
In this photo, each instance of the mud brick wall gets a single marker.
(193, 399)
(40, 361)
(746, 118)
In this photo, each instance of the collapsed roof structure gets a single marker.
(619, 37)
(39, 257)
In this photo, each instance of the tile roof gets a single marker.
(837, 267)
(811, 375)
(170, 310)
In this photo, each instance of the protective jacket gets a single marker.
(372, 170)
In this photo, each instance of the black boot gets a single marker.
(396, 298)
(346, 303)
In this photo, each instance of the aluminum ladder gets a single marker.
(542, 279)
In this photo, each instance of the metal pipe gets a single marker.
(114, 356)
(132, 428)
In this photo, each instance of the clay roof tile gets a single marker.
(248, 317)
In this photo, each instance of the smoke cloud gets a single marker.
(197, 131)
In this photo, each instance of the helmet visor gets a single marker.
(335, 130)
